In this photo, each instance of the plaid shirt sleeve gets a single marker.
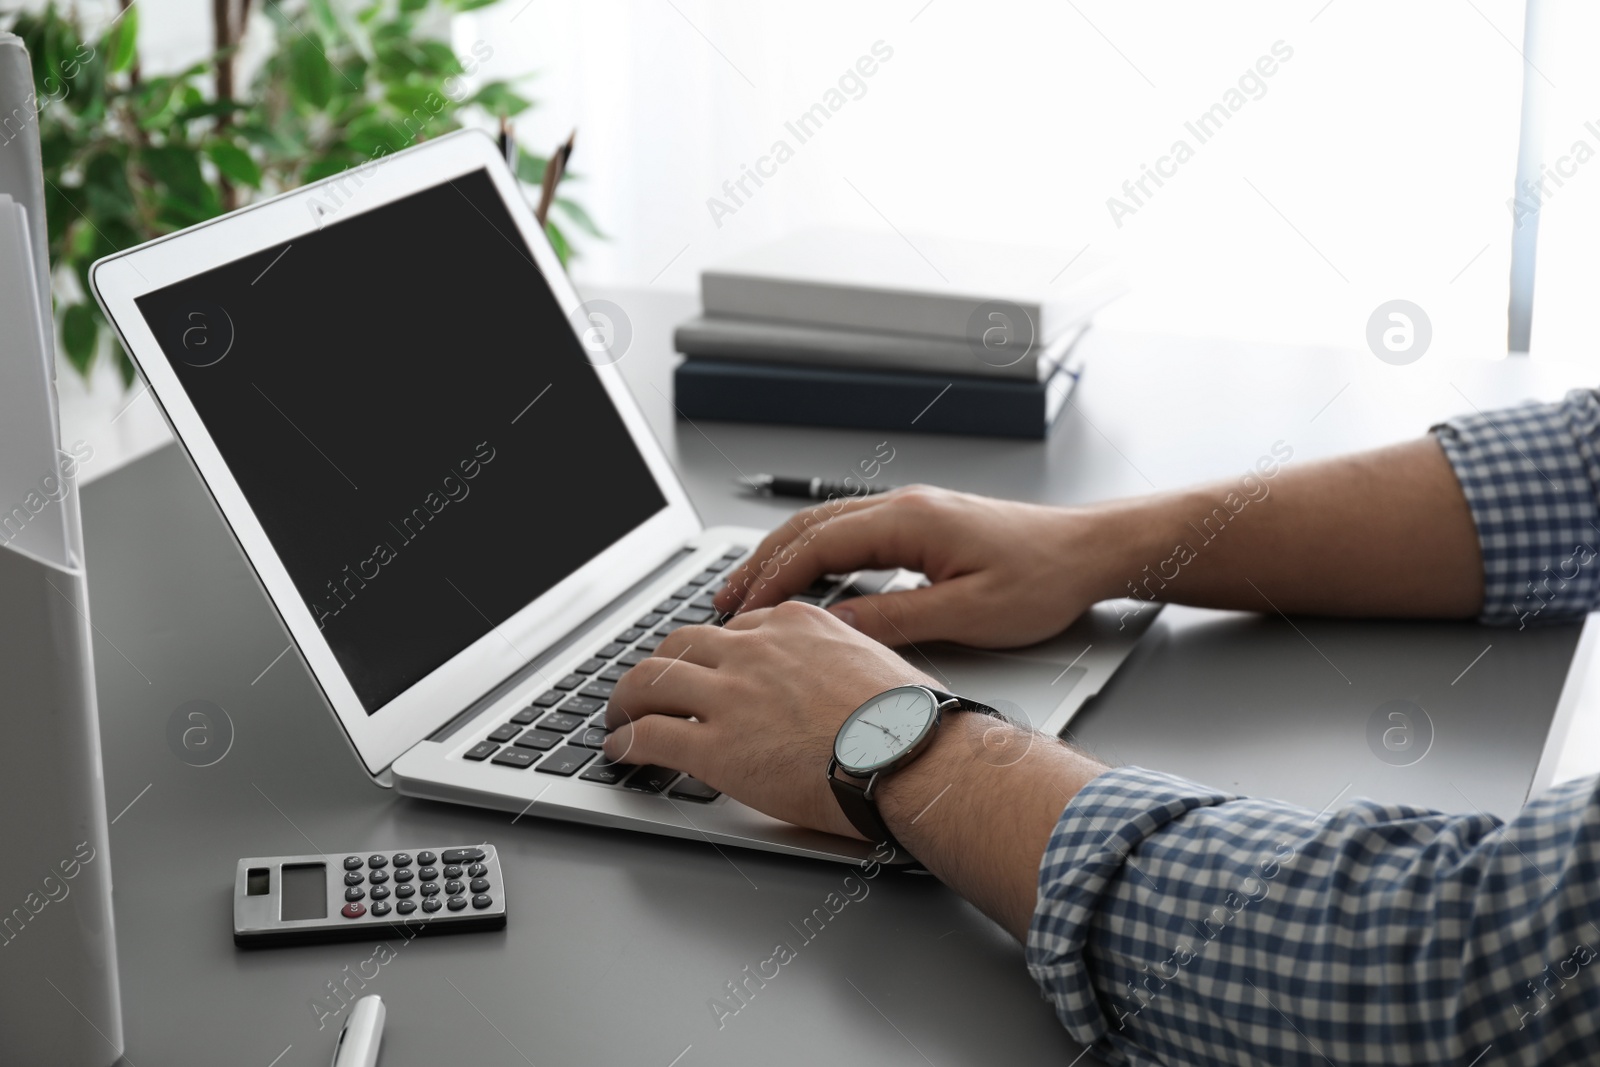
(1531, 475)
(1179, 925)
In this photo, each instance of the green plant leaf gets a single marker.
(368, 133)
(121, 41)
(124, 365)
(410, 98)
(105, 184)
(176, 212)
(530, 168)
(263, 137)
(178, 168)
(558, 241)
(201, 108)
(235, 162)
(56, 147)
(340, 81)
(437, 58)
(323, 168)
(310, 74)
(322, 11)
(499, 99)
(80, 329)
(580, 218)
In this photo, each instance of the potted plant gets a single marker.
(129, 157)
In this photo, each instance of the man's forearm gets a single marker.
(979, 806)
(1383, 533)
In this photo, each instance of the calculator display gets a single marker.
(304, 892)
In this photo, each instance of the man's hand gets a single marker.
(768, 693)
(1382, 533)
(1003, 574)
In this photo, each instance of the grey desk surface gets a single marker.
(617, 941)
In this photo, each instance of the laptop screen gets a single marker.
(409, 413)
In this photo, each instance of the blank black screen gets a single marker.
(303, 893)
(414, 422)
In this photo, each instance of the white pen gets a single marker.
(358, 1041)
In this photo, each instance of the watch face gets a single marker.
(885, 728)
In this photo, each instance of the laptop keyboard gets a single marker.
(561, 731)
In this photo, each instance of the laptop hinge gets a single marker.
(557, 650)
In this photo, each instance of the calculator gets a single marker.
(293, 900)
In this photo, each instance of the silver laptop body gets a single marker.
(417, 433)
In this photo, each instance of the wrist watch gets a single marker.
(880, 737)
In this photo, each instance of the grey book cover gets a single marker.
(910, 284)
(782, 342)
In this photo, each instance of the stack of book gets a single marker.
(878, 331)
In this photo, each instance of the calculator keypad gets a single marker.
(435, 888)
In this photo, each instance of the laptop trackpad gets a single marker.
(1024, 688)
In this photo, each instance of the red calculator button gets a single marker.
(353, 910)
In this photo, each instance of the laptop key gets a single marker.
(629, 636)
(615, 648)
(614, 674)
(649, 644)
(647, 621)
(667, 607)
(652, 779)
(591, 737)
(607, 773)
(565, 761)
(505, 733)
(512, 757)
(704, 600)
(705, 577)
(571, 681)
(693, 789)
(583, 705)
(823, 585)
(735, 553)
(526, 715)
(669, 627)
(598, 690)
(538, 740)
(561, 720)
(694, 616)
(589, 666)
(634, 658)
(549, 698)
(481, 750)
(685, 592)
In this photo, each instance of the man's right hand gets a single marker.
(1002, 574)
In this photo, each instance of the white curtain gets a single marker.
(1373, 163)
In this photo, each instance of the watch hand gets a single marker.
(891, 733)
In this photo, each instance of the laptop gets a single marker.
(431, 461)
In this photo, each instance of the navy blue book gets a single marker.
(872, 399)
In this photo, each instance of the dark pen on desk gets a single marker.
(805, 488)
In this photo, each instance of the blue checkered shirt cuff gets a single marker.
(1531, 476)
(1179, 925)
